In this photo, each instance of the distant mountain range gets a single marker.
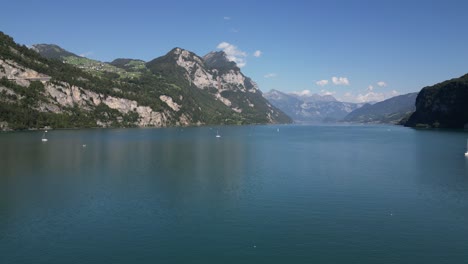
(444, 105)
(47, 86)
(316, 108)
(312, 108)
(391, 110)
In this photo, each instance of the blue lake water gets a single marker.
(303, 194)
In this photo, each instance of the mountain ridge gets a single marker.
(52, 51)
(391, 110)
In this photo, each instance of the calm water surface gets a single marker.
(303, 194)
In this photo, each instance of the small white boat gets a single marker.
(466, 153)
(217, 134)
(44, 139)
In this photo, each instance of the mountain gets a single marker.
(222, 79)
(38, 92)
(314, 97)
(388, 111)
(443, 105)
(52, 51)
(310, 108)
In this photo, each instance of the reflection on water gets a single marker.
(328, 194)
(166, 162)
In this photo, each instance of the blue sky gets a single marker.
(374, 49)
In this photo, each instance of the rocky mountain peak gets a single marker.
(181, 56)
(219, 60)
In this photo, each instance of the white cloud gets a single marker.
(375, 97)
(368, 96)
(257, 53)
(303, 93)
(227, 18)
(233, 53)
(340, 80)
(270, 75)
(370, 88)
(86, 54)
(309, 92)
(325, 92)
(382, 84)
(321, 82)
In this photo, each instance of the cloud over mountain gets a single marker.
(233, 53)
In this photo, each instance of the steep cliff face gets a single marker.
(443, 105)
(14, 71)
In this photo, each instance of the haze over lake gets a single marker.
(276, 194)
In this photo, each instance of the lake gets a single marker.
(258, 194)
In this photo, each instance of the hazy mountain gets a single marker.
(310, 108)
(442, 105)
(391, 110)
(314, 97)
(52, 51)
(72, 91)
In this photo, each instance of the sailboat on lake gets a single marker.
(217, 134)
(44, 139)
(466, 153)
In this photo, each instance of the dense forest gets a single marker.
(444, 105)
